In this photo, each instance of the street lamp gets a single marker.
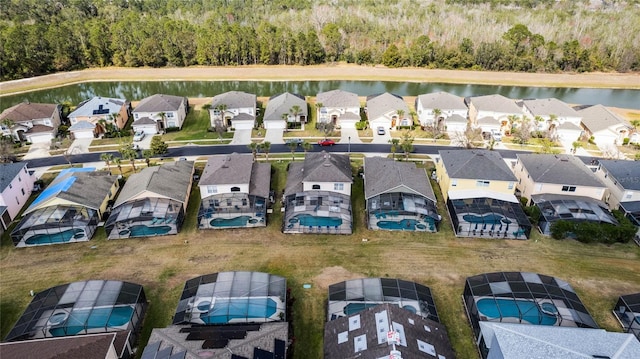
(349, 144)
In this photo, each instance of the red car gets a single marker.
(327, 142)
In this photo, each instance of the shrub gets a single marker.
(171, 129)
(626, 140)
(361, 125)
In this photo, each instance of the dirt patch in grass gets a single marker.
(332, 275)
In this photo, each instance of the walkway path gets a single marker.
(349, 135)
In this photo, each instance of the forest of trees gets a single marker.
(43, 36)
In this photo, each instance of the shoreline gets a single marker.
(629, 81)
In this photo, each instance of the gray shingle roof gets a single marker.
(378, 105)
(172, 180)
(281, 104)
(143, 121)
(523, 341)
(260, 180)
(383, 175)
(597, 118)
(568, 126)
(340, 335)
(318, 167)
(27, 111)
(90, 346)
(234, 99)
(558, 169)
(549, 106)
(90, 189)
(496, 103)
(104, 105)
(476, 164)
(488, 121)
(295, 175)
(160, 103)
(9, 171)
(455, 118)
(338, 98)
(227, 169)
(627, 173)
(82, 125)
(443, 101)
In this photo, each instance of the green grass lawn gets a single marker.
(195, 127)
(440, 260)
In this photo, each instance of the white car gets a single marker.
(138, 136)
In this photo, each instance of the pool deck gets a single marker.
(489, 230)
(423, 225)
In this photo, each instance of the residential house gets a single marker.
(31, 122)
(153, 202)
(479, 190)
(93, 117)
(226, 315)
(496, 107)
(16, 184)
(386, 331)
(156, 113)
(556, 117)
(521, 341)
(234, 191)
(234, 109)
(284, 111)
(437, 108)
(90, 346)
(607, 129)
(622, 179)
(398, 196)
(317, 197)
(563, 188)
(339, 108)
(387, 110)
(68, 210)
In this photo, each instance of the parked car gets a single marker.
(138, 136)
(381, 130)
(496, 135)
(297, 141)
(327, 142)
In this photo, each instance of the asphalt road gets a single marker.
(189, 151)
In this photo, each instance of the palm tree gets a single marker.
(285, 118)
(292, 147)
(107, 158)
(163, 118)
(407, 144)
(118, 162)
(436, 117)
(400, 115)
(395, 143)
(266, 147)
(254, 146)
(306, 146)
(295, 111)
(222, 108)
(575, 145)
(147, 154)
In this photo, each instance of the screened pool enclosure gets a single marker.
(627, 311)
(317, 212)
(145, 217)
(488, 217)
(56, 224)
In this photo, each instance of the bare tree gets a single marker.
(469, 138)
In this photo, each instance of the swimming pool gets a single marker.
(489, 219)
(230, 222)
(60, 237)
(518, 309)
(405, 225)
(140, 230)
(79, 320)
(226, 310)
(311, 221)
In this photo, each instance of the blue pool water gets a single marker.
(353, 308)
(405, 224)
(224, 310)
(489, 219)
(60, 237)
(140, 230)
(311, 221)
(230, 222)
(520, 309)
(80, 320)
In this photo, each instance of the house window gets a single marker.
(482, 183)
(235, 189)
(135, 115)
(19, 179)
(216, 203)
(628, 196)
(338, 186)
(169, 114)
(212, 202)
(315, 186)
(454, 182)
(22, 190)
(10, 186)
(17, 201)
(229, 202)
(212, 189)
(568, 188)
(244, 201)
(510, 185)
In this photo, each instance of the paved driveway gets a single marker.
(381, 138)
(80, 145)
(349, 135)
(274, 136)
(37, 150)
(241, 137)
(145, 144)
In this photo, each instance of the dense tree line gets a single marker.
(44, 36)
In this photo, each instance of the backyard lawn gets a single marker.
(441, 261)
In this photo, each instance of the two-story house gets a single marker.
(563, 188)
(284, 111)
(338, 107)
(16, 183)
(622, 179)
(156, 113)
(233, 109)
(607, 128)
(491, 113)
(234, 191)
(387, 111)
(554, 116)
(479, 190)
(68, 210)
(31, 122)
(443, 111)
(398, 196)
(91, 118)
(317, 197)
